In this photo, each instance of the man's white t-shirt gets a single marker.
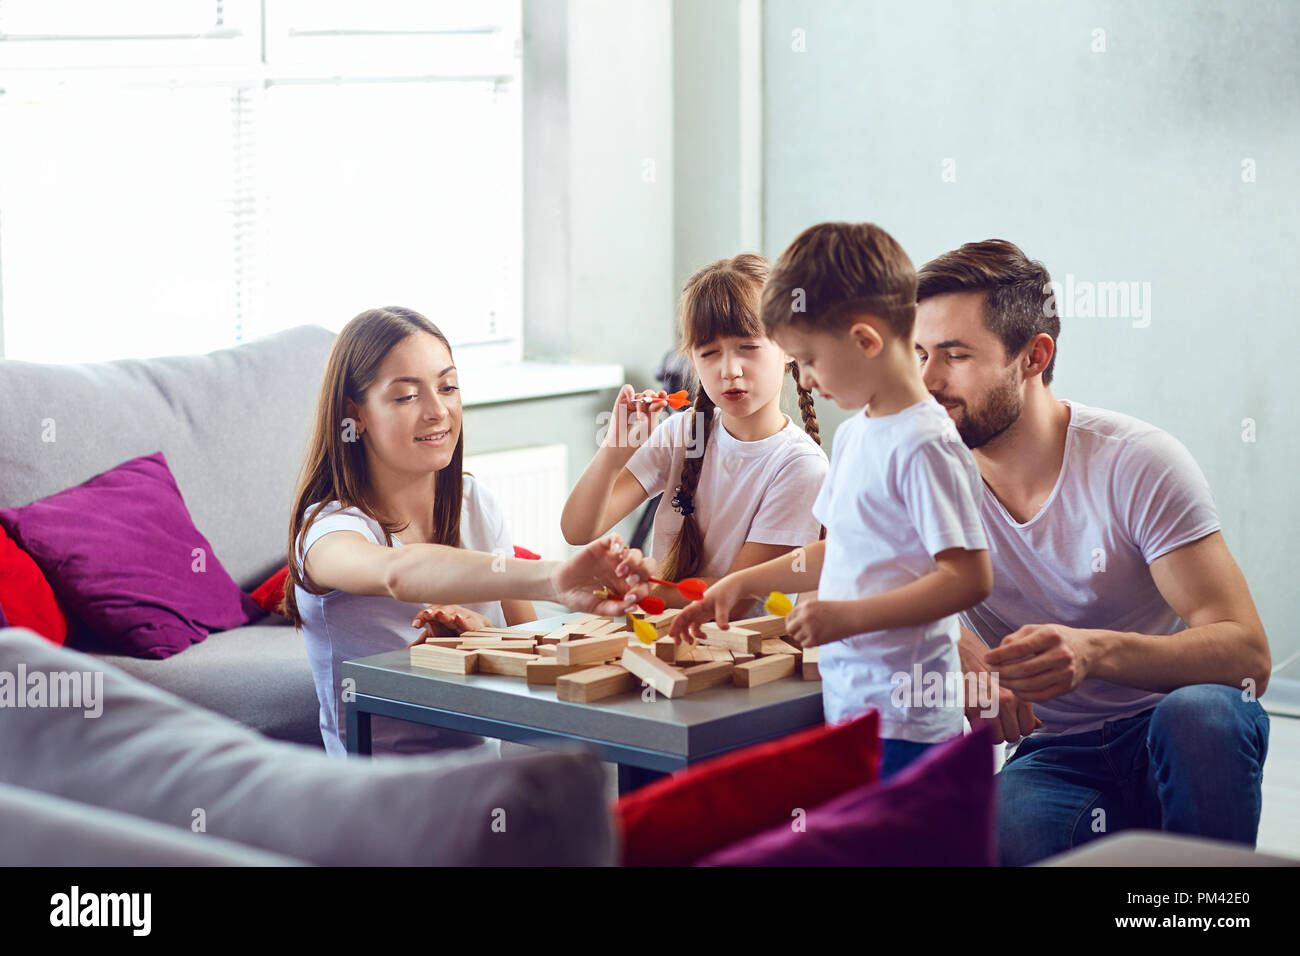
(339, 626)
(901, 489)
(760, 491)
(1127, 494)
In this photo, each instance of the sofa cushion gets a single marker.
(258, 675)
(121, 552)
(677, 820)
(233, 424)
(27, 594)
(37, 829)
(152, 755)
(938, 811)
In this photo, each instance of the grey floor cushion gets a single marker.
(151, 755)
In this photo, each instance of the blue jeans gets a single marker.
(897, 754)
(1192, 764)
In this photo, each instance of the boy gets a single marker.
(904, 548)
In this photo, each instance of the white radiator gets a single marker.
(531, 485)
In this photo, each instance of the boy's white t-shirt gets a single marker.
(760, 491)
(1127, 493)
(340, 626)
(901, 489)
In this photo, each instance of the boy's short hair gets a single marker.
(835, 271)
(1016, 307)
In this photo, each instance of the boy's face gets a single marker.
(965, 367)
(830, 363)
(414, 396)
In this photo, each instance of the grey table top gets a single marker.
(711, 721)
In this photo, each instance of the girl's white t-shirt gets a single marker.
(340, 626)
(760, 491)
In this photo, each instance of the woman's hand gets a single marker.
(579, 583)
(633, 417)
(448, 620)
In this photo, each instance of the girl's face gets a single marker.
(410, 419)
(741, 375)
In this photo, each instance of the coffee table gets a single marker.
(647, 738)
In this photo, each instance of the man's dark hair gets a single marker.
(1019, 303)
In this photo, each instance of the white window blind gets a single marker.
(372, 156)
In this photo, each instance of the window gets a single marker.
(181, 176)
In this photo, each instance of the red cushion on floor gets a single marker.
(26, 596)
(270, 593)
(678, 820)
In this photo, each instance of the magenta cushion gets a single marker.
(938, 811)
(121, 552)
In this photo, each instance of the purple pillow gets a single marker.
(937, 811)
(122, 554)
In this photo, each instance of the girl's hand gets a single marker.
(633, 417)
(606, 563)
(448, 620)
(719, 599)
(812, 623)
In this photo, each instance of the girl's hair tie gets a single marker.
(683, 502)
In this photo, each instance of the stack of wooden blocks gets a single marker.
(592, 657)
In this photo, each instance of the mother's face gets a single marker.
(411, 416)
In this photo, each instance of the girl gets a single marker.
(385, 459)
(738, 477)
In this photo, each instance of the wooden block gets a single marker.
(504, 662)
(739, 658)
(547, 671)
(614, 626)
(704, 676)
(663, 620)
(665, 649)
(447, 659)
(770, 625)
(733, 639)
(590, 650)
(808, 669)
(662, 676)
(595, 683)
(546, 650)
(699, 654)
(496, 644)
(763, 670)
(441, 641)
(774, 645)
(557, 635)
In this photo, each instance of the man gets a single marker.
(1118, 617)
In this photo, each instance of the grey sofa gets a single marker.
(233, 425)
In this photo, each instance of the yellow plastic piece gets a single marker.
(778, 604)
(644, 630)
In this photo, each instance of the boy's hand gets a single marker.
(718, 601)
(633, 417)
(605, 563)
(812, 623)
(448, 620)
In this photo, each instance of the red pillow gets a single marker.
(270, 593)
(679, 819)
(27, 597)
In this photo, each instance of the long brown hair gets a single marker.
(335, 468)
(722, 299)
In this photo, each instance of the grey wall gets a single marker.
(1118, 165)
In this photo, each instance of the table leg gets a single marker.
(630, 778)
(358, 741)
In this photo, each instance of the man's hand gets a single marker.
(816, 622)
(606, 563)
(1014, 718)
(1041, 661)
(448, 620)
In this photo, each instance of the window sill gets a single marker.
(494, 383)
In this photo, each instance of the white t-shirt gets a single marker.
(760, 491)
(901, 489)
(1127, 493)
(340, 626)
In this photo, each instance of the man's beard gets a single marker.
(1000, 411)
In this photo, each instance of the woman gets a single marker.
(385, 460)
